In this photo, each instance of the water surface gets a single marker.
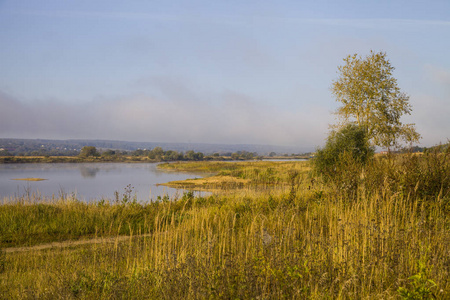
(89, 181)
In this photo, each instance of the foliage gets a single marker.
(243, 155)
(108, 153)
(156, 153)
(4, 152)
(370, 96)
(421, 287)
(172, 155)
(349, 142)
(89, 151)
(159, 154)
(191, 155)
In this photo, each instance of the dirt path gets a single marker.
(65, 244)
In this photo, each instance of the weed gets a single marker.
(420, 286)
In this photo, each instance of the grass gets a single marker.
(228, 176)
(287, 234)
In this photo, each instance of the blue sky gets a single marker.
(210, 71)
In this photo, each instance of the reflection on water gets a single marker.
(88, 172)
(89, 181)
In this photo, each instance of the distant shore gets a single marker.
(129, 159)
(68, 159)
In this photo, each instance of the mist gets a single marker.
(232, 118)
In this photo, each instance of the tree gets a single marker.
(191, 155)
(138, 152)
(87, 151)
(172, 155)
(371, 98)
(109, 153)
(156, 153)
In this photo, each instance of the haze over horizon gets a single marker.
(231, 72)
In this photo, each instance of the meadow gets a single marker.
(270, 230)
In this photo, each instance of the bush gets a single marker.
(348, 145)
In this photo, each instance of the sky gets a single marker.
(227, 72)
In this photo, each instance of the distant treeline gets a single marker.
(46, 147)
(157, 154)
(116, 150)
(50, 148)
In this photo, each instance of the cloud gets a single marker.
(234, 119)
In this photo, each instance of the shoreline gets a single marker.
(125, 159)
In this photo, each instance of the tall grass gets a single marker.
(27, 223)
(306, 242)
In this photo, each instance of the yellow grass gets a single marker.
(29, 179)
(208, 183)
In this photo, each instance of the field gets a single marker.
(270, 230)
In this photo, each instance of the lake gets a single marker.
(89, 181)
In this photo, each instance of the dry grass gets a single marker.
(29, 179)
(232, 176)
(212, 183)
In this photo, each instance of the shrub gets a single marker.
(343, 147)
